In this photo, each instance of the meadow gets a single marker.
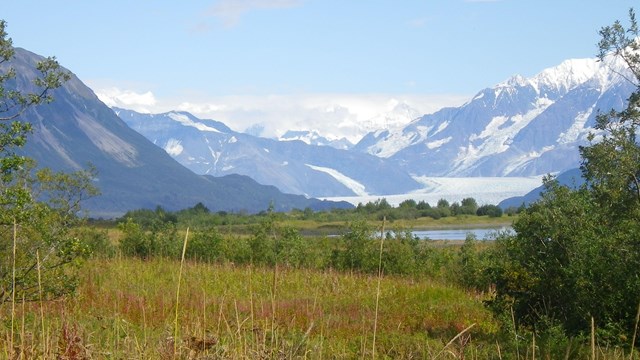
(184, 305)
(128, 308)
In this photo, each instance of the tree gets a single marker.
(443, 203)
(469, 206)
(409, 203)
(356, 252)
(489, 210)
(38, 209)
(576, 253)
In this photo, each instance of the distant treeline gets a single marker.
(199, 215)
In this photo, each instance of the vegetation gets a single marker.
(573, 266)
(37, 209)
(408, 213)
(564, 285)
(125, 309)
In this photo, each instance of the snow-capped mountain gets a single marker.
(520, 127)
(400, 115)
(312, 137)
(210, 147)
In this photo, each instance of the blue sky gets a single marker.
(289, 63)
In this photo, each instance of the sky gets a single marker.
(331, 65)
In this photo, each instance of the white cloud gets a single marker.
(230, 11)
(141, 102)
(332, 115)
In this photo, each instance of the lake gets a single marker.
(457, 234)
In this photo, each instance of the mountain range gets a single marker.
(210, 147)
(312, 137)
(77, 129)
(521, 127)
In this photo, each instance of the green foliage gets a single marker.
(161, 240)
(37, 209)
(468, 206)
(151, 219)
(272, 244)
(560, 265)
(399, 253)
(205, 245)
(357, 253)
(97, 241)
(134, 241)
(489, 210)
(576, 254)
(33, 229)
(475, 263)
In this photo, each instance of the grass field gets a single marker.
(126, 308)
(161, 308)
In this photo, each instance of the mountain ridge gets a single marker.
(520, 127)
(292, 166)
(77, 129)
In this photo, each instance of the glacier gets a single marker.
(485, 190)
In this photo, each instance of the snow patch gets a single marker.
(441, 127)
(498, 136)
(491, 128)
(184, 120)
(436, 144)
(398, 139)
(525, 158)
(173, 147)
(576, 129)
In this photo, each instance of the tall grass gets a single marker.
(123, 308)
(175, 323)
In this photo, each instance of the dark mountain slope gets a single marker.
(78, 129)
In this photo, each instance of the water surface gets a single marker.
(459, 234)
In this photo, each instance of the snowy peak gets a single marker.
(520, 127)
(388, 135)
(399, 116)
(569, 75)
(312, 137)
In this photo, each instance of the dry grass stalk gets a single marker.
(533, 346)
(593, 339)
(454, 339)
(375, 321)
(13, 282)
(515, 333)
(175, 334)
(44, 338)
(635, 332)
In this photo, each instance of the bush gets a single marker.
(204, 245)
(97, 242)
